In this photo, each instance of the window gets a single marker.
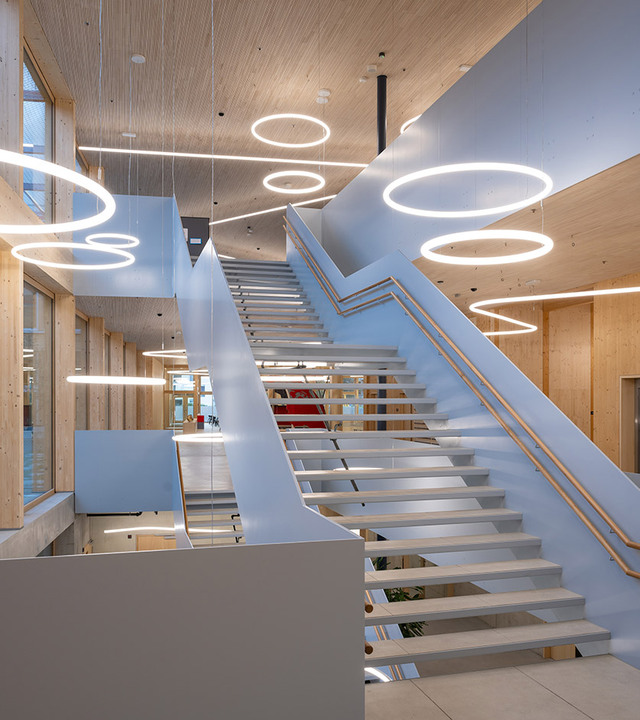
(82, 364)
(37, 108)
(38, 393)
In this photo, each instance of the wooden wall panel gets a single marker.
(64, 394)
(569, 358)
(11, 392)
(157, 396)
(150, 399)
(525, 351)
(65, 154)
(130, 395)
(616, 352)
(11, 32)
(97, 410)
(116, 392)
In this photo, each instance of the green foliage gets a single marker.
(411, 629)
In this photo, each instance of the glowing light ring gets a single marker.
(376, 673)
(528, 327)
(469, 167)
(113, 380)
(293, 116)
(199, 438)
(49, 168)
(132, 241)
(19, 249)
(172, 354)
(405, 125)
(294, 173)
(545, 242)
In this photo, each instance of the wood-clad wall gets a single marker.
(96, 396)
(526, 350)
(116, 392)
(64, 417)
(150, 398)
(130, 395)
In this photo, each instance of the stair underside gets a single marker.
(440, 517)
(368, 496)
(453, 543)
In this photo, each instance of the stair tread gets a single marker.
(330, 371)
(373, 473)
(354, 401)
(308, 339)
(452, 493)
(224, 534)
(470, 605)
(453, 543)
(293, 385)
(357, 348)
(424, 451)
(435, 517)
(471, 572)
(318, 434)
(293, 417)
(477, 642)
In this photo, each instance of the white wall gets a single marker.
(271, 632)
(560, 92)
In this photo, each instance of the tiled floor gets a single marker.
(597, 688)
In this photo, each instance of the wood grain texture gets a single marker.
(130, 419)
(11, 392)
(64, 393)
(96, 401)
(11, 33)
(150, 398)
(616, 336)
(116, 392)
(270, 56)
(570, 363)
(525, 351)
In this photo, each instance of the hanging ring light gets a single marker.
(54, 170)
(179, 354)
(469, 167)
(131, 240)
(18, 251)
(114, 380)
(294, 173)
(293, 116)
(545, 243)
(405, 125)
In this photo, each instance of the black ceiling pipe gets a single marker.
(382, 113)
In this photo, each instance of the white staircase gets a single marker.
(397, 501)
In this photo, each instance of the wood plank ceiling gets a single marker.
(270, 56)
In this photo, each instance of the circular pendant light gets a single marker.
(179, 354)
(545, 245)
(294, 173)
(199, 438)
(131, 240)
(19, 250)
(462, 168)
(75, 178)
(113, 380)
(292, 116)
(405, 125)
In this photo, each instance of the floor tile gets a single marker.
(387, 701)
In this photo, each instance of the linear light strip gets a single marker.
(209, 156)
(270, 210)
(528, 327)
(113, 380)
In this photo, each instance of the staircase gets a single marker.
(377, 457)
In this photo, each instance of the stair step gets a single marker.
(420, 451)
(453, 543)
(282, 323)
(387, 351)
(265, 294)
(462, 606)
(230, 534)
(350, 371)
(292, 418)
(317, 434)
(439, 517)
(328, 354)
(482, 642)
(385, 473)
(240, 262)
(297, 328)
(361, 496)
(252, 303)
(353, 401)
(447, 574)
(215, 523)
(312, 339)
(278, 312)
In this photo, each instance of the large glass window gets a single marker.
(37, 140)
(81, 369)
(38, 393)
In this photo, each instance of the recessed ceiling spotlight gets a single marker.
(324, 92)
(128, 134)
(532, 282)
(138, 59)
(363, 79)
(322, 100)
(465, 68)
(372, 68)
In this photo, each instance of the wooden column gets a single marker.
(65, 154)
(64, 392)
(116, 392)
(11, 388)
(130, 400)
(11, 34)
(157, 396)
(96, 396)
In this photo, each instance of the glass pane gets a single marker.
(36, 128)
(182, 383)
(205, 384)
(38, 393)
(81, 369)
(208, 408)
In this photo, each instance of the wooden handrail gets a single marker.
(335, 300)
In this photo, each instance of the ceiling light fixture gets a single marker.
(18, 251)
(199, 438)
(179, 354)
(140, 528)
(322, 100)
(528, 327)
(545, 243)
(132, 241)
(377, 673)
(469, 167)
(226, 257)
(464, 68)
(208, 156)
(48, 168)
(324, 92)
(294, 173)
(291, 116)
(113, 380)
(405, 125)
(270, 210)
(138, 59)
(128, 134)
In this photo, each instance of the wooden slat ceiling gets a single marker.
(271, 56)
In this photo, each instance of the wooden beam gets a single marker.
(116, 392)
(96, 419)
(64, 393)
(11, 33)
(130, 395)
(65, 154)
(11, 392)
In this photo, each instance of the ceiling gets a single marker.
(270, 56)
